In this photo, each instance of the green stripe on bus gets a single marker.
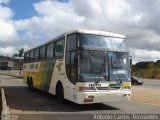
(47, 75)
(115, 85)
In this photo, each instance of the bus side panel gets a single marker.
(59, 74)
(42, 74)
(25, 77)
(34, 71)
(47, 75)
(39, 75)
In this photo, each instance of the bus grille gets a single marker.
(115, 88)
(108, 88)
(102, 88)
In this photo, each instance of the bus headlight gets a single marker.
(128, 87)
(88, 98)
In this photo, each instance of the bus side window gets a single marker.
(74, 63)
(31, 56)
(71, 66)
(43, 52)
(71, 42)
(50, 50)
(68, 66)
(26, 57)
(36, 54)
(59, 48)
(71, 58)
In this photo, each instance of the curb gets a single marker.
(5, 110)
(11, 75)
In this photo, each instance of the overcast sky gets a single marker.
(28, 23)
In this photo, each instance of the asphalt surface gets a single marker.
(37, 105)
(155, 84)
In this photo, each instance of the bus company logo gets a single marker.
(95, 85)
(33, 66)
(59, 66)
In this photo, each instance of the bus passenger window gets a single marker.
(31, 55)
(26, 56)
(43, 52)
(59, 47)
(71, 66)
(36, 54)
(50, 50)
(71, 42)
(68, 66)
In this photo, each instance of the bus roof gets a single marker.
(94, 32)
(97, 32)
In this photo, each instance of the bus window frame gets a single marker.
(36, 57)
(26, 56)
(69, 52)
(31, 59)
(53, 50)
(43, 56)
(63, 41)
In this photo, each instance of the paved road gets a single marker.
(39, 105)
(155, 84)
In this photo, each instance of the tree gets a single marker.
(20, 55)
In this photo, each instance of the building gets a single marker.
(8, 63)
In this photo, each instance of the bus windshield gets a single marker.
(96, 41)
(118, 66)
(104, 66)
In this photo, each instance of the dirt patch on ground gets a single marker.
(14, 73)
(145, 95)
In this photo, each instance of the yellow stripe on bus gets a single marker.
(126, 84)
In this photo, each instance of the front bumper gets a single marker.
(101, 97)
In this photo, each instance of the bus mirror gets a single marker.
(75, 60)
(130, 59)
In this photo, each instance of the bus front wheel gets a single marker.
(60, 93)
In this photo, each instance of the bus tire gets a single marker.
(30, 84)
(60, 92)
(28, 80)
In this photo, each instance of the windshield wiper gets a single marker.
(98, 79)
(120, 81)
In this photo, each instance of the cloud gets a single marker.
(7, 50)
(8, 32)
(50, 22)
(138, 20)
(10, 50)
(4, 1)
(143, 55)
(6, 13)
(9, 38)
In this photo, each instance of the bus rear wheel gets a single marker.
(30, 84)
(60, 93)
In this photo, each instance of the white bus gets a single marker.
(83, 66)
